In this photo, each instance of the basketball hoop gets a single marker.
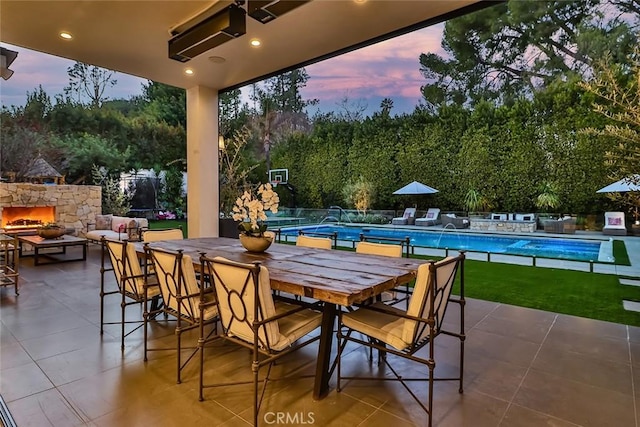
(278, 176)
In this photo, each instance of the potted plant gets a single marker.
(250, 209)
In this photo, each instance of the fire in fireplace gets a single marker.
(18, 218)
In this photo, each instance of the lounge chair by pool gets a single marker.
(432, 217)
(407, 218)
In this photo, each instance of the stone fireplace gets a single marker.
(24, 205)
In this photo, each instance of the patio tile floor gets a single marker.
(524, 367)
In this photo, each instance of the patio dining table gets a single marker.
(331, 276)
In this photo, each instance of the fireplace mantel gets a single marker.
(75, 205)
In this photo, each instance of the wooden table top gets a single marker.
(334, 276)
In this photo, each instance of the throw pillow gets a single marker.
(430, 215)
(103, 222)
(614, 221)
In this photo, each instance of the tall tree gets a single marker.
(89, 81)
(280, 108)
(513, 48)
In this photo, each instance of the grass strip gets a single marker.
(620, 253)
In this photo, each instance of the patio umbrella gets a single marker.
(415, 188)
(623, 185)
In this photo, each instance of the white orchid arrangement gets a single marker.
(250, 209)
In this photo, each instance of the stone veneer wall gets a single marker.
(498, 225)
(76, 205)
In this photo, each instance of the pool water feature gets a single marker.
(557, 248)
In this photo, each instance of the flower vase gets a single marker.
(256, 244)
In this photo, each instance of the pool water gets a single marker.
(569, 249)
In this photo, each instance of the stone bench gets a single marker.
(513, 226)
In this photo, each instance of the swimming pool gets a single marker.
(568, 249)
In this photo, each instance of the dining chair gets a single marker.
(250, 317)
(133, 285)
(394, 248)
(163, 234)
(183, 294)
(314, 242)
(403, 333)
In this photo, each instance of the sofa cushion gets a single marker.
(103, 222)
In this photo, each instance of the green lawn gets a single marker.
(593, 295)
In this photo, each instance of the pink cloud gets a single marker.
(387, 69)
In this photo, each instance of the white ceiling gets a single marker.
(131, 36)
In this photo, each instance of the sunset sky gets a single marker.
(388, 69)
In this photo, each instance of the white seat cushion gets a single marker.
(294, 326)
(385, 327)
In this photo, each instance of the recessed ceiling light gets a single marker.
(255, 42)
(65, 35)
(188, 71)
(217, 59)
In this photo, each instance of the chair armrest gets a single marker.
(91, 224)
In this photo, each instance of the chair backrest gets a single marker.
(176, 276)
(432, 213)
(126, 267)
(379, 249)
(430, 296)
(614, 220)
(167, 234)
(409, 213)
(314, 242)
(244, 293)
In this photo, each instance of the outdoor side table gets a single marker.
(62, 243)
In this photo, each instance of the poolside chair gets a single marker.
(432, 217)
(407, 218)
(251, 318)
(403, 333)
(614, 224)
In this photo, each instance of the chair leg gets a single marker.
(254, 368)
(145, 320)
(178, 348)
(123, 306)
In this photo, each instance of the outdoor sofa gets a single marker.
(456, 221)
(115, 227)
(564, 225)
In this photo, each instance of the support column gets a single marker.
(203, 198)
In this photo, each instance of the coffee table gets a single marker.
(61, 243)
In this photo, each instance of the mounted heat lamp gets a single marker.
(267, 10)
(206, 31)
